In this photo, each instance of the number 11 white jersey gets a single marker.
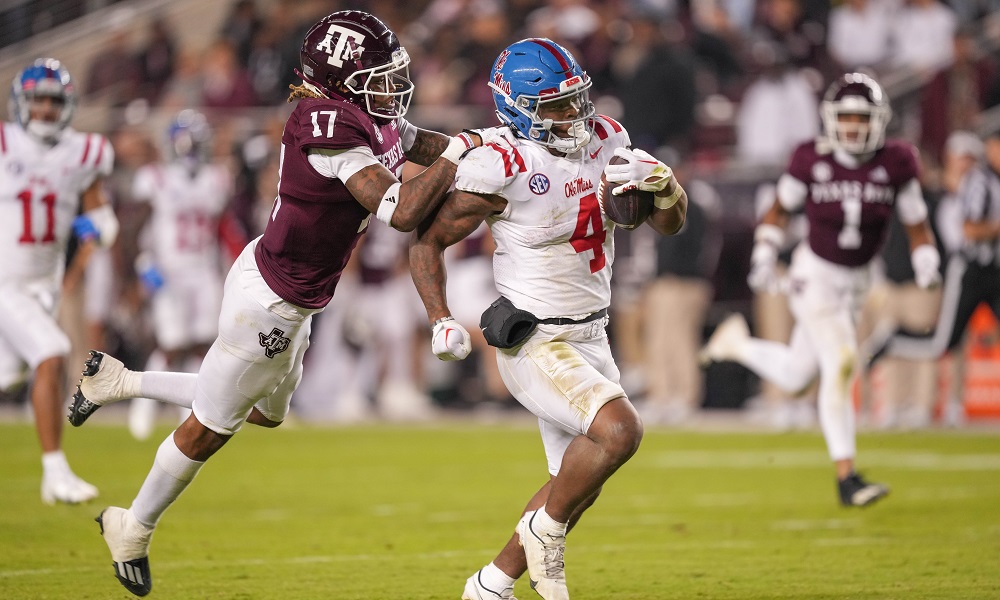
(40, 190)
(554, 245)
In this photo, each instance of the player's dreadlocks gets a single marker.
(300, 91)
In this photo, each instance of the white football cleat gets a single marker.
(546, 565)
(726, 340)
(128, 540)
(105, 380)
(475, 590)
(66, 487)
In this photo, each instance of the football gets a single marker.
(629, 209)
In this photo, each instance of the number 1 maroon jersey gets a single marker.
(316, 222)
(849, 209)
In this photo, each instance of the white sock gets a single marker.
(543, 523)
(170, 475)
(493, 578)
(54, 462)
(172, 388)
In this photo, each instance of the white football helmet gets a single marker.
(855, 94)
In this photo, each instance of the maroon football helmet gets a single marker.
(351, 54)
(856, 94)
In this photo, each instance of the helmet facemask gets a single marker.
(46, 78)
(386, 89)
(855, 136)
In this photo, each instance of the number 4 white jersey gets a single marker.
(554, 245)
(40, 190)
(184, 226)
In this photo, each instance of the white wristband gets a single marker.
(456, 148)
(390, 200)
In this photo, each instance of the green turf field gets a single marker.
(401, 513)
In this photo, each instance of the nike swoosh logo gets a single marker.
(594, 154)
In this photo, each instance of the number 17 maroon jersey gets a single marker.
(315, 222)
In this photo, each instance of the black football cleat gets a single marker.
(855, 491)
(128, 540)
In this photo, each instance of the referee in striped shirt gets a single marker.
(973, 273)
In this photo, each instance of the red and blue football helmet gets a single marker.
(533, 72)
(45, 77)
(356, 50)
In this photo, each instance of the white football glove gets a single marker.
(763, 275)
(926, 262)
(642, 171)
(489, 135)
(449, 340)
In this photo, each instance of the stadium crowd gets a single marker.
(728, 88)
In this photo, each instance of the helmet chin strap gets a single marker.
(45, 132)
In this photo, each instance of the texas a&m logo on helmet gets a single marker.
(352, 55)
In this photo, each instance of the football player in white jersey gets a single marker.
(182, 263)
(537, 192)
(50, 189)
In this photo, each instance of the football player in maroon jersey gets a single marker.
(848, 183)
(342, 153)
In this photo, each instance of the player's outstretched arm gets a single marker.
(403, 206)
(427, 146)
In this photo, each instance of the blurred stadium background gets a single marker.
(721, 89)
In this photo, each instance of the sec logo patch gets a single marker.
(539, 184)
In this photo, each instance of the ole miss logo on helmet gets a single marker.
(346, 47)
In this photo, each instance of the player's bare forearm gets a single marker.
(427, 147)
(920, 234)
(776, 215)
(429, 277)
(459, 216)
(418, 196)
(669, 221)
(75, 270)
(421, 195)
